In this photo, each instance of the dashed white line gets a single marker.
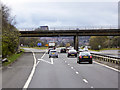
(76, 72)
(71, 67)
(68, 64)
(91, 87)
(85, 80)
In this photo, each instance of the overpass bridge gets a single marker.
(75, 33)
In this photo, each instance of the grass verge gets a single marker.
(106, 49)
(12, 58)
(42, 48)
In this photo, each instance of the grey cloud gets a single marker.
(64, 14)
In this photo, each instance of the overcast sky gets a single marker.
(35, 13)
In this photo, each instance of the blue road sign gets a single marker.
(39, 44)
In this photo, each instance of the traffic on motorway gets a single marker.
(83, 55)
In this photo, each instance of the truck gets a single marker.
(51, 45)
(42, 28)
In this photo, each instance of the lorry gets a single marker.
(51, 45)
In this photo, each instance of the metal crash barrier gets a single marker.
(105, 58)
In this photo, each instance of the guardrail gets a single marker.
(3, 60)
(110, 59)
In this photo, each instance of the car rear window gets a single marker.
(85, 54)
(72, 51)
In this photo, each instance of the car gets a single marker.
(53, 53)
(63, 50)
(85, 49)
(69, 48)
(84, 57)
(50, 49)
(72, 53)
(80, 50)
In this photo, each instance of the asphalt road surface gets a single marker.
(61, 72)
(64, 72)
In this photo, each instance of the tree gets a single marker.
(95, 41)
(30, 42)
(116, 42)
(10, 35)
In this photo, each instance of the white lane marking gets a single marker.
(107, 66)
(31, 74)
(44, 61)
(91, 87)
(37, 63)
(85, 80)
(76, 72)
(65, 61)
(68, 64)
(43, 55)
(71, 67)
(51, 60)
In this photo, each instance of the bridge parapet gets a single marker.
(72, 28)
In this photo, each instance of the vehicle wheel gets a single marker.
(77, 61)
(49, 56)
(67, 56)
(57, 57)
(90, 62)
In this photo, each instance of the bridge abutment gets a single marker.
(76, 42)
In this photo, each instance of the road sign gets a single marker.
(46, 45)
(39, 44)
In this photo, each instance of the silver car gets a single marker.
(53, 53)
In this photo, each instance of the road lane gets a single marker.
(56, 75)
(15, 75)
(60, 72)
(97, 75)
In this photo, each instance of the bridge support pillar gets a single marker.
(76, 42)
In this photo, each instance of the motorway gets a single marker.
(64, 72)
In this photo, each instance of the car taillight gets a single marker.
(90, 56)
(80, 56)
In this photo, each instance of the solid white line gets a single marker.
(31, 74)
(37, 63)
(44, 61)
(107, 66)
(51, 60)
(85, 80)
(43, 55)
(76, 72)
